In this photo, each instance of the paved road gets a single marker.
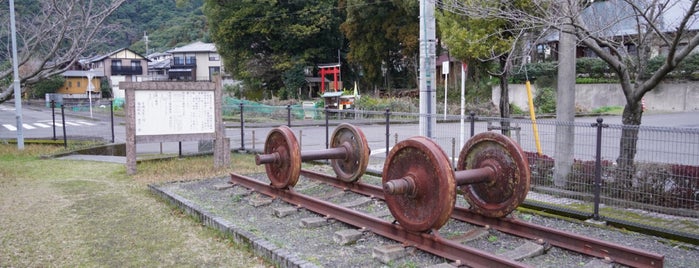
(669, 146)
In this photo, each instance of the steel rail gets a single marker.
(592, 247)
(432, 243)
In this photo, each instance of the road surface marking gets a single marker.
(28, 126)
(10, 127)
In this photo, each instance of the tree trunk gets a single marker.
(504, 98)
(631, 118)
(565, 110)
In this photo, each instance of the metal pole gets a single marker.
(53, 117)
(388, 124)
(327, 130)
(464, 67)
(15, 83)
(242, 129)
(288, 115)
(180, 149)
(473, 123)
(598, 166)
(111, 117)
(446, 77)
(63, 121)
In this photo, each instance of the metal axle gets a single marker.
(406, 185)
(340, 152)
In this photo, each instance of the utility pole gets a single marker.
(145, 40)
(428, 96)
(15, 70)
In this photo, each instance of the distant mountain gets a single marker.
(168, 24)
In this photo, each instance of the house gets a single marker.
(76, 85)
(158, 66)
(121, 65)
(197, 61)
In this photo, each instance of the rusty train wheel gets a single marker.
(432, 200)
(354, 165)
(509, 187)
(285, 171)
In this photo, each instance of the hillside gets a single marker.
(168, 24)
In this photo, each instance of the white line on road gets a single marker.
(28, 126)
(85, 123)
(72, 124)
(9, 127)
(42, 125)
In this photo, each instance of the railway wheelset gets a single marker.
(419, 182)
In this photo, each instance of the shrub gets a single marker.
(514, 109)
(545, 100)
(534, 71)
(48, 85)
(591, 67)
(381, 104)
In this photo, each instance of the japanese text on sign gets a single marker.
(160, 112)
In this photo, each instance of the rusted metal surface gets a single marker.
(282, 157)
(582, 244)
(353, 165)
(420, 164)
(432, 243)
(508, 185)
(573, 242)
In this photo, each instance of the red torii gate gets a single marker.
(325, 69)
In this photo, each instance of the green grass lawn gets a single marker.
(62, 213)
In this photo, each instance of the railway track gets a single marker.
(420, 188)
(460, 242)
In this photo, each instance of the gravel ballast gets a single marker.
(251, 218)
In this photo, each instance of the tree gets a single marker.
(471, 35)
(626, 34)
(382, 35)
(48, 85)
(51, 36)
(262, 40)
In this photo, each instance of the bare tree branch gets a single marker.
(52, 38)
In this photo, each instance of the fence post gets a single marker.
(53, 117)
(288, 115)
(63, 121)
(598, 166)
(111, 116)
(327, 133)
(242, 129)
(388, 124)
(473, 122)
